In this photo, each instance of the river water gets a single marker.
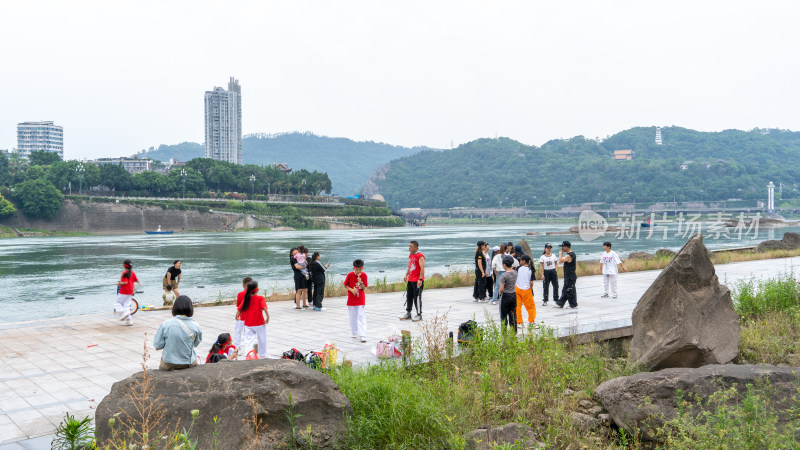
(37, 273)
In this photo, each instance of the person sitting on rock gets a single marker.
(223, 348)
(178, 337)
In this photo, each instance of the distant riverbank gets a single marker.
(106, 215)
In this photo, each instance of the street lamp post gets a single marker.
(252, 186)
(183, 179)
(80, 170)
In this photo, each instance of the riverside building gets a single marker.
(223, 113)
(35, 136)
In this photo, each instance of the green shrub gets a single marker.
(73, 434)
(752, 299)
(6, 208)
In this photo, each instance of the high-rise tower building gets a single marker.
(35, 136)
(770, 196)
(224, 123)
(658, 135)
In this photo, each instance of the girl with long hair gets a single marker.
(479, 290)
(254, 313)
(317, 270)
(125, 289)
(223, 348)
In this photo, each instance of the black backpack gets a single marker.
(467, 332)
(293, 354)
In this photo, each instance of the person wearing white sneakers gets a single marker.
(609, 262)
(125, 288)
(356, 284)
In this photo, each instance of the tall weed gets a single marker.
(755, 298)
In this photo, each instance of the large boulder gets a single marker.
(791, 240)
(686, 317)
(640, 255)
(771, 244)
(526, 248)
(643, 402)
(237, 393)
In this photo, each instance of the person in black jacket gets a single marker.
(317, 271)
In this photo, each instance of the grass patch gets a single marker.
(499, 379)
(731, 420)
(8, 232)
(770, 314)
(756, 298)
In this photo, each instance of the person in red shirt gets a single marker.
(238, 329)
(125, 289)
(253, 311)
(356, 283)
(222, 349)
(415, 277)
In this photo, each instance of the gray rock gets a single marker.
(686, 317)
(222, 390)
(791, 240)
(586, 404)
(583, 421)
(605, 419)
(665, 253)
(646, 400)
(640, 255)
(594, 411)
(510, 433)
(526, 248)
(771, 245)
(437, 276)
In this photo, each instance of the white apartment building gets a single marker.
(35, 136)
(223, 114)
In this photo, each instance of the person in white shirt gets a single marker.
(609, 262)
(549, 263)
(497, 268)
(523, 289)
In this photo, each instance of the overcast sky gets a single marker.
(120, 76)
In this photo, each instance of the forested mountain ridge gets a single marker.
(348, 163)
(690, 165)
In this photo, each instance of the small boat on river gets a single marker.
(158, 231)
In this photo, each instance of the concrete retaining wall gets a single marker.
(121, 218)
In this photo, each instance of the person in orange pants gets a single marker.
(524, 290)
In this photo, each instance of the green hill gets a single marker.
(348, 163)
(690, 165)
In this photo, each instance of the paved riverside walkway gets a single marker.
(54, 366)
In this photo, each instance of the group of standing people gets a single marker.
(309, 277)
(506, 277)
(511, 272)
